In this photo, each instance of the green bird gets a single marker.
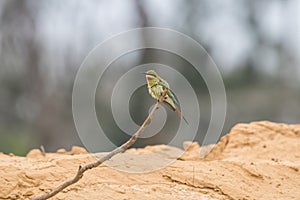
(156, 87)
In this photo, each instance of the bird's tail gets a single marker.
(180, 115)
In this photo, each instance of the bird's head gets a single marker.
(151, 73)
(151, 76)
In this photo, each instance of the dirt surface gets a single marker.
(260, 160)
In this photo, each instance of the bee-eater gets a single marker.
(156, 87)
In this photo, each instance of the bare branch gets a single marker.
(108, 156)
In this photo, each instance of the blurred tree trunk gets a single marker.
(146, 56)
(141, 12)
(19, 19)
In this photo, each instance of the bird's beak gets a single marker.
(144, 73)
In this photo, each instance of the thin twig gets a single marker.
(108, 156)
(43, 150)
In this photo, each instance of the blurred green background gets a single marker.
(255, 44)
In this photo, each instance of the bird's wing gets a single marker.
(163, 83)
(174, 97)
(170, 93)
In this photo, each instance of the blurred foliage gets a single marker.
(18, 141)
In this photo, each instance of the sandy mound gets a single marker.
(260, 160)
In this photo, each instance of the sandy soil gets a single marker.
(260, 160)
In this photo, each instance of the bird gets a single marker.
(156, 86)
